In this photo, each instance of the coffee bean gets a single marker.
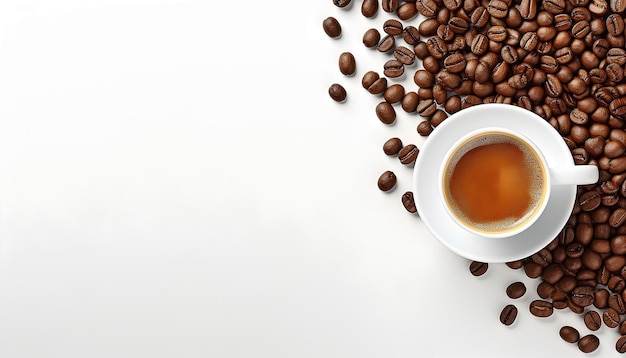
(347, 63)
(583, 296)
(528, 9)
(387, 44)
(371, 38)
(369, 8)
(554, 6)
(588, 343)
(427, 8)
(394, 93)
(599, 7)
(392, 146)
(337, 92)
(620, 345)
(408, 154)
(411, 35)
(478, 268)
(516, 290)
(437, 47)
(332, 27)
(618, 107)
(393, 68)
(385, 112)
(341, 3)
(541, 308)
(406, 11)
(569, 334)
(424, 128)
(508, 315)
(616, 302)
(592, 320)
(426, 108)
(373, 83)
(423, 78)
(387, 181)
(611, 318)
(410, 101)
(479, 44)
(453, 4)
(616, 55)
(393, 27)
(618, 5)
(498, 8)
(589, 201)
(428, 27)
(458, 25)
(404, 55)
(408, 202)
(389, 5)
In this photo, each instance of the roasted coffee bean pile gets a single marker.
(562, 59)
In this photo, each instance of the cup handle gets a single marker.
(574, 174)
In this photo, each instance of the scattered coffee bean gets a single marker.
(611, 318)
(387, 181)
(408, 202)
(516, 290)
(592, 320)
(337, 92)
(588, 343)
(569, 334)
(393, 68)
(341, 3)
(478, 268)
(393, 27)
(369, 8)
(385, 112)
(408, 154)
(620, 345)
(508, 315)
(347, 63)
(392, 146)
(332, 27)
(371, 37)
(541, 308)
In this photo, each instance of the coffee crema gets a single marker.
(494, 182)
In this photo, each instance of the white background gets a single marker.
(176, 182)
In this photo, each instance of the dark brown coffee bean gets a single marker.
(455, 63)
(458, 25)
(423, 78)
(554, 6)
(331, 26)
(406, 11)
(508, 315)
(437, 47)
(478, 268)
(616, 55)
(393, 27)
(337, 92)
(373, 83)
(369, 8)
(616, 302)
(618, 244)
(408, 154)
(385, 112)
(592, 320)
(541, 308)
(618, 5)
(610, 317)
(618, 107)
(589, 201)
(410, 101)
(516, 290)
(371, 38)
(529, 41)
(599, 7)
(615, 24)
(411, 35)
(620, 345)
(426, 108)
(528, 9)
(404, 55)
(617, 165)
(409, 202)
(622, 328)
(602, 298)
(389, 5)
(588, 343)
(427, 8)
(479, 44)
(498, 9)
(424, 128)
(453, 4)
(428, 27)
(393, 68)
(394, 93)
(617, 218)
(583, 296)
(569, 334)
(341, 3)
(387, 44)
(392, 146)
(347, 63)
(480, 17)
(553, 86)
(614, 149)
(387, 181)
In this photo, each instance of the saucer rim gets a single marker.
(450, 132)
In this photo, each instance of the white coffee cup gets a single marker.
(465, 205)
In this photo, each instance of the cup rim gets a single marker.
(543, 200)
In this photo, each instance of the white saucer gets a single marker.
(461, 241)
